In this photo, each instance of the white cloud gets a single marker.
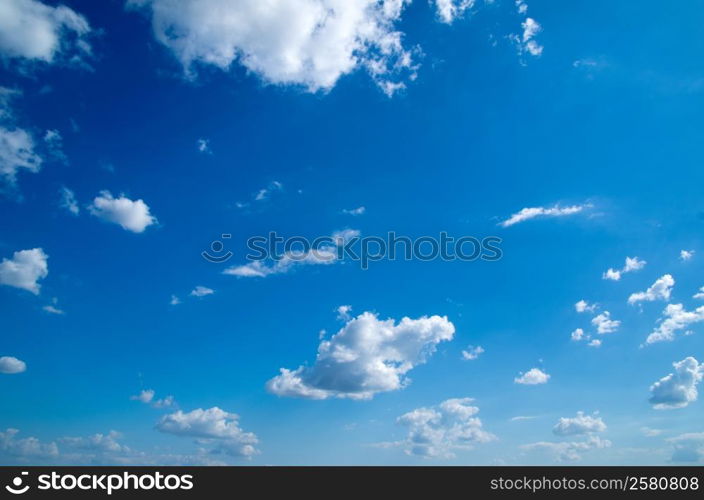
(581, 424)
(594, 343)
(265, 193)
(449, 10)
(25, 269)
(174, 300)
(10, 365)
(96, 444)
(17, 152)
(604, 324)
(438, 431)
(568, 451)
(212, 425)
(631, 265)
(204, 146)
(472, 353)
(521, 6)
(129, 214)
(68, 200)
(365, 357)
(32, 30)
(577, 334)
(688, 447)
(201, 291)
(310, 43)
(534, 376)
(660, 290)
(354, 211)
(686, 254)
(25, 448)
(146, 396)
(533, 212)
(675, 318)
(54, 144)
(52, 308)
(343, 312)
(678, 389)
(699, 294)
(584, 306)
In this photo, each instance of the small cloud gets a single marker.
(201, 291)
(174, 300)
(68, 200)
(542, 212)
(660, 290)
(204, 146)
(581, 424)
(129, 214)
(146, 396)
(686, 255)
(343, 313)
(577, 335)
(649, 432)
(354, 211)
(520, 418)
(25, 269)
(472, 353)
(678, 389)
(594, 343)
(675, 318)
(631, 265)
(584, 306)
(11, 366)
(52, 308)
(534, 376)
(604, 324)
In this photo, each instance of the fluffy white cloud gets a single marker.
(311, 43)
(686, 254)
(68, 200)
(354, 211)
(472, 353)
(577, 334)
(584, 306)
(146, 396)
(32, 30)
(437, 431)
(660, 290)
(594, 343)
(25, 448)
(129, 214)
(675, 318)
(25, 269)
(581, 424)
(17, 152)
(449, 10)
(201, 291)
(10, 365)
(212, 425)
(688, 447)
(678, 389)
(533, 212)
(568, 451)
(96, 443)
(530, 29)
(534, 376)
(604, 324)
(631, 265)
(699, 294)
(364, 357)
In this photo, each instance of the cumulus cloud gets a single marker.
(31, 30)
(568, 451)
(10, 365)
(660, 290)
(678, 389)
(214, 426)
(25, 269)
(146, 396)
(472, 353)
(631, 265)
(674, 319)
(604, 324)
(309, 43)
(24, 449)
(577, 334)
(699, 294)
(688, 447)
(365, 357)
(584, 306)
(449, 10)
(129, 214)
(535, 212)
(581, 424)
(686, 254)
(438, 431)
(534, 376)
(201, 291)
(531, 27)
(68, 200)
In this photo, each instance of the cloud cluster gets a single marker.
(678, 389)
(34, 31)
(437, 431)
(213, 426)
(131, 215)
(568, 451)
(365, 357)
(146, 396)
(631, 265)
(581, 424)
(535, 212)
(660, 290)
(604, 324)
(674, 318)
(25, 269)
(472, 353)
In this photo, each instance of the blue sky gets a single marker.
(433, 116)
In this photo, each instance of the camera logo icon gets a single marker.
(217, 247)
(16, 488)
